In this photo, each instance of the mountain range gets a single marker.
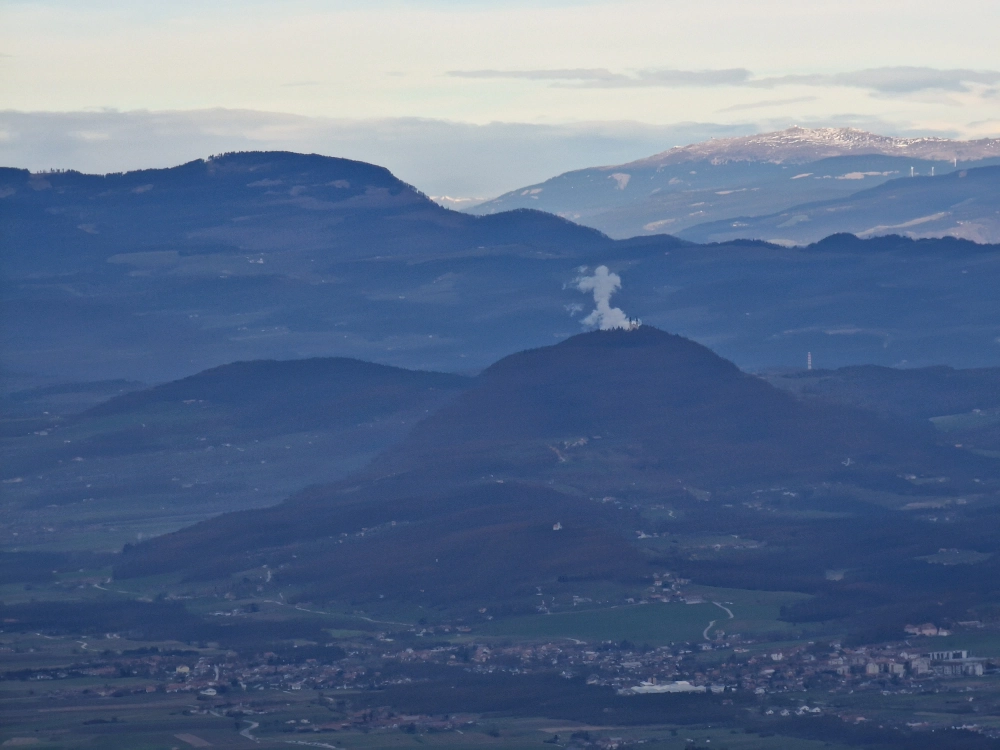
(700, 191)
(798, 145)
(289, 445)
(248, 435)
(276, 255)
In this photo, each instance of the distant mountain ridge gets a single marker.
(289, 256)
(963, 203)
(728, 179)
(240, 204)
(797, 145)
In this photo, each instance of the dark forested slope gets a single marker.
(155, 275)
(546, 467)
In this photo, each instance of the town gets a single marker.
(225, 683)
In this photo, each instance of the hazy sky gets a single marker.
(898, 66)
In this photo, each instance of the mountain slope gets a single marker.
(238, 436)
(233, 257)
(918, 393)
(748, 176)
(649, 401)
(231, 214)
(583, 437)
(964, 405)
(964, 203)
(294, 394)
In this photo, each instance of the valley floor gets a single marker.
(534, 681)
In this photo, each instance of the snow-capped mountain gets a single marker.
(726, 179)
(797, 145)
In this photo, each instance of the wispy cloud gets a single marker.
(440, 157)
(893, 80)
(553, 74)
(768, 103)
(606, 79)
(888, 80)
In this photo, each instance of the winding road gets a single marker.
(246, 732)
(728, 611)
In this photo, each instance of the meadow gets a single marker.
(657, 623)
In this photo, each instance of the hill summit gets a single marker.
(558, 438)
(656, 402)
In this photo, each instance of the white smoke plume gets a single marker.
(603, 284)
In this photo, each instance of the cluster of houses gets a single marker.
(625, 668)
(927, 629)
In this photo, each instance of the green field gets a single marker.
(978, 642)
(967, 421)
(30, 718)
(655, 624)
(658, 624)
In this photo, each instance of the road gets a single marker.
(246, 732)
(727, 610)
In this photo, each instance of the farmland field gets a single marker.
(657, 623)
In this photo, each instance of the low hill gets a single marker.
(237, 436)
(656, 402)
(268, 395)
(22, 407)
(545, 470)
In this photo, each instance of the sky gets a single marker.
(491, 92)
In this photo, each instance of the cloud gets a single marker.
(556, 74)
(888, 80)
(768, 103)
(601, 78)
(89, 135)
(439, 157)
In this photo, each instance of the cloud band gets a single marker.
(887, 80)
